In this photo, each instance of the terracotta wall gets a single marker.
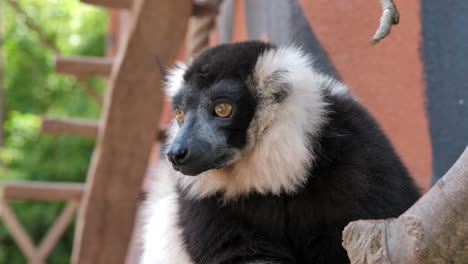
(388, 77)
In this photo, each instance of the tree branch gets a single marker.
(33, 26)
(390, 16)
(87, 87)
(433, 230)
(44, 39)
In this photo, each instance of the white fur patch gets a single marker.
(279, 152)
(334, 86)
(175, 79)
(162, 241)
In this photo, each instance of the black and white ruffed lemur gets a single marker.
(267, 161)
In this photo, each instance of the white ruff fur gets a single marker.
(278, 152)
(162, 241)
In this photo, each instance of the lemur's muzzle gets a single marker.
(190, 157)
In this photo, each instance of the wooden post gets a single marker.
(132, 106)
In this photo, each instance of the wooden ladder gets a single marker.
(107, 202)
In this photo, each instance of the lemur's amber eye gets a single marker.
(223, 110)
(179, 115)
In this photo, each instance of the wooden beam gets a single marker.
(42, 191)
(81, 127)
(197, 10)
(83, 66)
(73, 126)
(124, 4)
(132, 106)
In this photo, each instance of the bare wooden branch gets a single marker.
(83, 66)
(390, 16)
(42, 191)
(70, 126)
(132, 107)
(433, 230)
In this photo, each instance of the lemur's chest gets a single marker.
(272, 217)
(294, 226)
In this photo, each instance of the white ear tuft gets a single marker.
(286, 59)
(175, 79)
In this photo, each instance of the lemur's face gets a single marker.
(213, 122)
(247, 113)
(214, 108)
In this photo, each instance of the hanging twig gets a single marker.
(390, 16)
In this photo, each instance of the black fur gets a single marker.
(356, 175)
(228, 61)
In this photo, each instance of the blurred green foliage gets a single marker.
(32, 89)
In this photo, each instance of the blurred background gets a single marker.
(415, 82)
(30, 37)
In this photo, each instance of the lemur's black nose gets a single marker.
(178, 155)
(189, 156)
